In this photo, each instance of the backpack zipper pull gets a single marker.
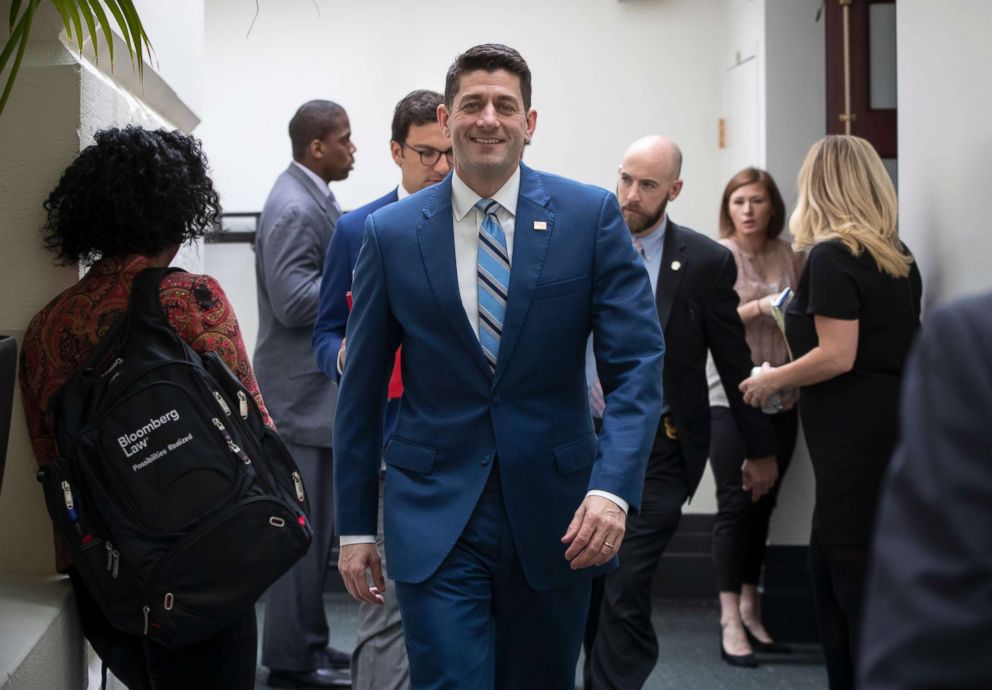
(146, 610)
(298, 482)
(117, 562)
(243, 404)
(116, 363)
(110, 555)
(231, 445)
(67, 495)
(222, 403)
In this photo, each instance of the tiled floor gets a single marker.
(687, 635)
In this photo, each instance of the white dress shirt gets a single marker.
(315, 177)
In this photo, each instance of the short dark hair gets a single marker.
(313, 120)
(753, 176)
(489, 57)
(416, 108)
(133, 191)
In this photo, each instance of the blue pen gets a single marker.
(70, 507)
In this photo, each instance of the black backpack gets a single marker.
(178, 505)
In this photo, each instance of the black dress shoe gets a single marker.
(766, 647)
(336, 658)
(739, 660)
(318, 678)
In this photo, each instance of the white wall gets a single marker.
(604, 72)
(945, 142)
(795, 69)
(175, 29)
(795, 117)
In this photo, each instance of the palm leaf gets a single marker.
(84, 9)
(70, 13)
(105, 25)
(75, 14)
(122, 23)
(138, 35)
(19, 38)
(15, 5)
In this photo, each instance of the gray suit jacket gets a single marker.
(293, 234)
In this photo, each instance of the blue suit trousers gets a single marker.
(476, 623)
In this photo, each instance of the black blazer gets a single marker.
(697, 308)
(926, 620)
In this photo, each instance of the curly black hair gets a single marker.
(133, 191)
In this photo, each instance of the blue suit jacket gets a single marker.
(332, 316)
(339, 266)
(579, 275)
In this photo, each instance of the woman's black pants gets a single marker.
(740, 530)
(838, 573)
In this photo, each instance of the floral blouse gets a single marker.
(61, 336)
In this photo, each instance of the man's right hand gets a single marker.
(354, 563)
(341, 355)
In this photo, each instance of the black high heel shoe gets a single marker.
(739, 660)
(766, 647)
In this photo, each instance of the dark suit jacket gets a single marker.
(339, 265)
(293, 234)
(573, 272)
(928, 607)
(697, 308)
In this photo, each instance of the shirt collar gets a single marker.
(463, 199)
(656, 237)
(401, 192)
(321, 185)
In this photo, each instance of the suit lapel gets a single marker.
(437, 249)
(530, 247)
(673, 264)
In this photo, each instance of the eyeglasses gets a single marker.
(429, 156)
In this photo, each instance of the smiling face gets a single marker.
(750, 209)
(489, 127)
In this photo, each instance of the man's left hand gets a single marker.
(595, 533)
(759, 475)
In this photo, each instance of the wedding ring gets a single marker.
(608, 545)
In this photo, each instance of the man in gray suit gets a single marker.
(294, 232)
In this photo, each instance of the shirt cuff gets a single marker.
(349, 539)
(606, 494)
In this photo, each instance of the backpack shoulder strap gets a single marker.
(145, 294)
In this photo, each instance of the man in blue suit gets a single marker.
(500, 501)
(423, 154)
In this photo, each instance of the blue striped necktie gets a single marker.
(494, 280)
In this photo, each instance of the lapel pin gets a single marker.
(676, 265)
(540, 225)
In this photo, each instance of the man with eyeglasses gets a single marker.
(424, 156)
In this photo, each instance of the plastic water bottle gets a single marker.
(774, 404)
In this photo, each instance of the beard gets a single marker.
(639, 221)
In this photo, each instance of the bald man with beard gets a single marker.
(692, 278)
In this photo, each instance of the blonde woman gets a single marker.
(850, 327)
(752, 216)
